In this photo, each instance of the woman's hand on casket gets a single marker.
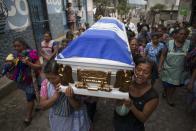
(128, 103)
(57, 91)
(69, 92)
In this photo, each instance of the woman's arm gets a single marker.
(55, 51)
(146, 50)
(36, 65)
(46, 103)
(162, 58)
(147, 111)
(70, 94)
(44, 55)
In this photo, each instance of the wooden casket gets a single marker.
(98, 62)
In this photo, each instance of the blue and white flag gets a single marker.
(112, 20)
(104, 45)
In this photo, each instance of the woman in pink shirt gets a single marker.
(49, 47)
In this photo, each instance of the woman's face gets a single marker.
(133, 45)
(142, 73)
(54, 79)
(181, 36)
(47, 37)
(165, 37)
(19, 47)
(155, 40)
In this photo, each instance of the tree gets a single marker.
(123, 7)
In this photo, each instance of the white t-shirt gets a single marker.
(47, 48)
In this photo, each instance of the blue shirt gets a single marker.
(153, 53)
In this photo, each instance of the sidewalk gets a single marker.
(6, 86)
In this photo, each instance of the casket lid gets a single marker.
(103, 46)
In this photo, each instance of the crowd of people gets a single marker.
(161, 52)
(172, 51)
(74, 17)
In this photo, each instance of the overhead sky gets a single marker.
(139, 2)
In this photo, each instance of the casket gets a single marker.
(98, 62)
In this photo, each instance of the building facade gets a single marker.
(16, 24)
(29, 19)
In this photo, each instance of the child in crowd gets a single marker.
(67, 111)
(49, 47)
(142, 46)
(21, 64)
(67, 40)
(130, 115)
(80, 31)
(153, 52)
(133, 43)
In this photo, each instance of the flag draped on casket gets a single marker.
(104, 45)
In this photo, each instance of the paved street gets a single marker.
(163, 119)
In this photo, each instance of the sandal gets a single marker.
(27, 121)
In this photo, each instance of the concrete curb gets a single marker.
(6, 86)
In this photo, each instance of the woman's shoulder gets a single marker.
(151, 94)
(148, 45)
(161, 44)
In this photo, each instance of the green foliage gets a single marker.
(123, 7)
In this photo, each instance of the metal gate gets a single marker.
(39, 18)
(3, 16)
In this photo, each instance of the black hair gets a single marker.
(130, 40)
(87, 25)
(177, 30)
(51, 67)
(70, 34)
(69, 4)
(142, 60)
(130, 34)
(81, 29)
(22, 41)
(153, 34)
(47, 32)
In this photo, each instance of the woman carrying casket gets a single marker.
(132, 113)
